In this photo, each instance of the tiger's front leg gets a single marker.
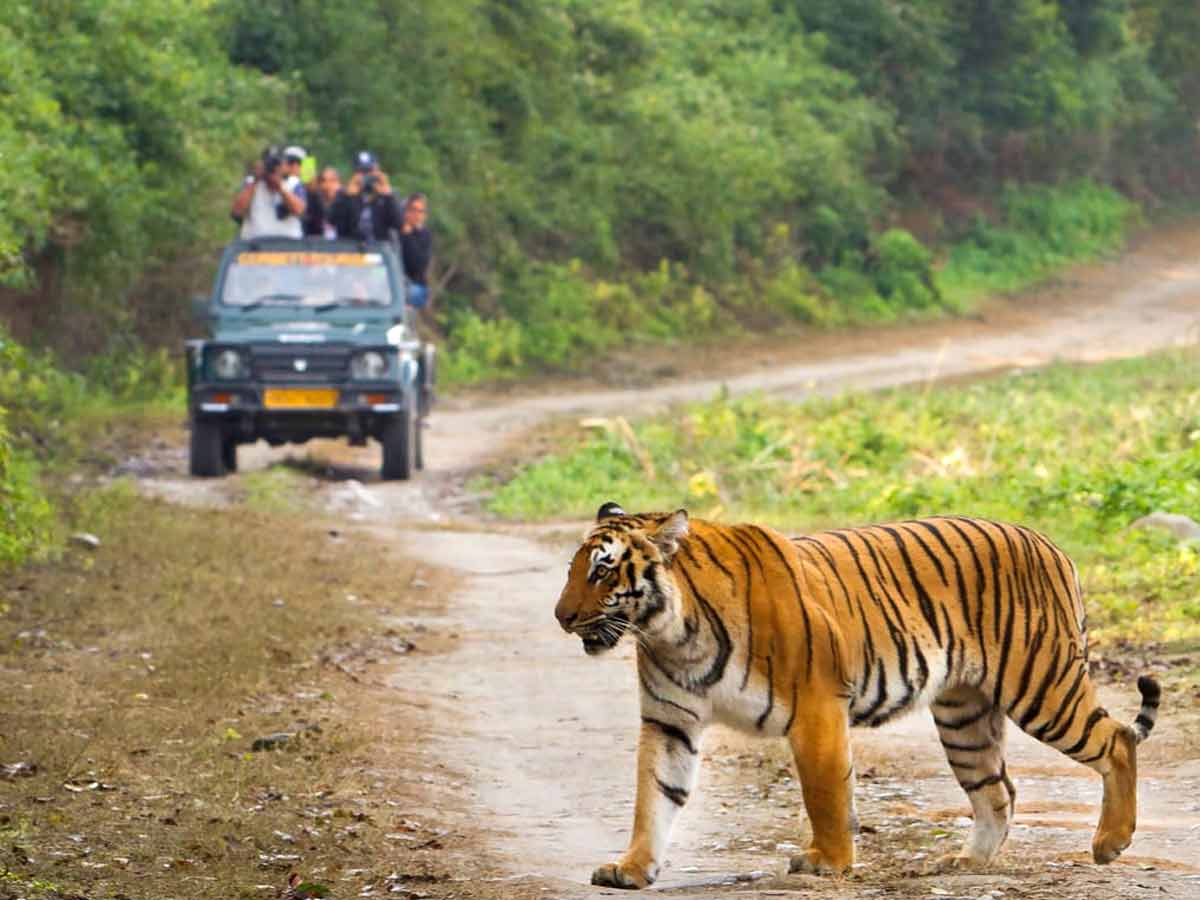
(668, 761)
(820, 740)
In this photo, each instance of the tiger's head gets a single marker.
(620, 577)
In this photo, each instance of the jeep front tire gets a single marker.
(208, 450)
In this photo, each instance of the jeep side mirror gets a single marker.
(200, 308)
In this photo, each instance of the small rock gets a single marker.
(1182, 527)
(85, 539)
(18, 770)
(271, 741)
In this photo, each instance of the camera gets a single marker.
(370, 183)
(272, 159)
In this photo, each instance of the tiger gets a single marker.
(806, 637)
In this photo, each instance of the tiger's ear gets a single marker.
(609, 510)
(666, 537)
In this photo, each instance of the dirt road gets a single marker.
(544, 737)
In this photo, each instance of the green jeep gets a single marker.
(310, 338)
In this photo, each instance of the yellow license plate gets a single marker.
(299, 398)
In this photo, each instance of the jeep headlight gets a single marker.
(229, 364)
(371, 364)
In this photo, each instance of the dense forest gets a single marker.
(597, 169)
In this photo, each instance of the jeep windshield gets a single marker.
(314, 280)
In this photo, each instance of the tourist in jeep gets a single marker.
(416, 248)
(318, 217)
(269, 203)
(366, 209)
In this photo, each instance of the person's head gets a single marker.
(329, 182)
(272, 162)
(292, 158)
(365, 162)
(416, 208)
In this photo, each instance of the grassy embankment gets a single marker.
(566, 318)
(53, 421)
(1078, 453)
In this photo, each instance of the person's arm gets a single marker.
(293, 200)
(242, 199)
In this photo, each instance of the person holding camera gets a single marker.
(366, 209)
(271, 200)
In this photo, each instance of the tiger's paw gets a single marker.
(814, 862)
(955, 862)
(624, 875)
(1107, 847)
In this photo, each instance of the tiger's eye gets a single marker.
(601, 572)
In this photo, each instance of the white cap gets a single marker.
(295, 152)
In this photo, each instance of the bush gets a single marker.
(25, 516)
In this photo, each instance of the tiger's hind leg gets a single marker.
(1075, 724)
(972, 734)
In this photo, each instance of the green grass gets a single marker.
(1077, 452)
(1044, 230)
(53, 420)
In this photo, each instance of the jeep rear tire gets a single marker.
(207, 456)
(229, 454)
(399, 440)
(419, 452)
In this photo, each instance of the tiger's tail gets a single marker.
(1151, 692)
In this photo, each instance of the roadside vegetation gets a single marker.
(1079, 453)
(54, 422)
(190, 711)
(599, 172)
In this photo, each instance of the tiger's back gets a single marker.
(948, 601)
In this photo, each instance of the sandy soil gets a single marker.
(544, 738)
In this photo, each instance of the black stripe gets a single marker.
(1061, 703)
(969, 719)
(676, 795)
(672, 731)
(1062, 730)
(1144, 721)
(658, 698)
(967, 748)
(720, 634)
(693, 536)
(749, 588)
(1104, 751)
(926, 602)
(1039, 696)
(921, 543)
(1097, 714)
(792, 715)
(770, 697)
(790, 575)
(980, 580)
(1006, 643)
(958, 573)
(973, 786)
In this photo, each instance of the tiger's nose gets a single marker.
(566, 619)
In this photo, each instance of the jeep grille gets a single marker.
(310, 362)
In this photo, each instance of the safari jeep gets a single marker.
(309, 339)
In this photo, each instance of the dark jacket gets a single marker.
(316, 214)
(346, 215)
(416, 247)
